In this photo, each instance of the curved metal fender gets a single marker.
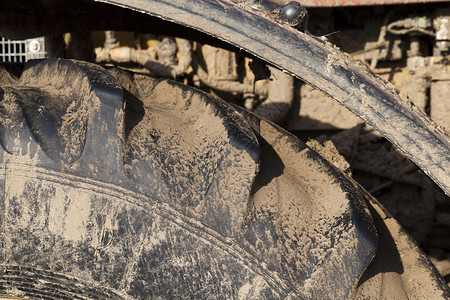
(315, 61)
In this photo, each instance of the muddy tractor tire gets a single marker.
(118, 185)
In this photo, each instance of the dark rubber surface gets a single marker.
(161, 190)
(118, 185)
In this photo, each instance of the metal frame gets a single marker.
(21, 50)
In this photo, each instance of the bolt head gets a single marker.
(293, 13)
(34, 46)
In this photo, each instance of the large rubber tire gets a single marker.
(242, 26)
(118, 185)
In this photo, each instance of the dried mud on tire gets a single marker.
(118, 185)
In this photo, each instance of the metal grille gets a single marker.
(21, 50)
